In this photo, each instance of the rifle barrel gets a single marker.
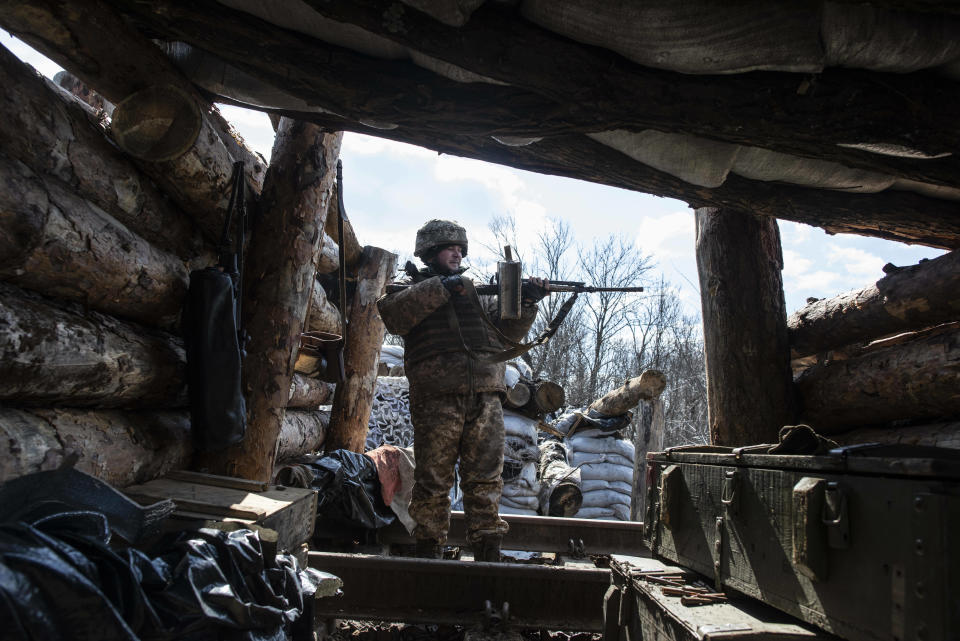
(587, 289)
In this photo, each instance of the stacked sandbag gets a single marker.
(521, 488)
(392, 357)
(604, 460)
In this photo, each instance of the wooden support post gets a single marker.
(749, 390)
(908, 298)
(324, 316)
(649, 438)
(365, 331)
(279, 275)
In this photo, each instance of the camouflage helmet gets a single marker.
(437, 233)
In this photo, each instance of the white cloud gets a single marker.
(792, 233)
(668, 236)
(371, 146)
(816, 282)
(795, 265)
(856, 261)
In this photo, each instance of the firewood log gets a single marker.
(309, 392)
(54, 134)
(895, 380)
(647, 386)
(61, 245)
(52, 353)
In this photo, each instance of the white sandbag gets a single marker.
(604, 498)
(606, 472)
(512, 375)
(392, 355)
(581, 443)
(505, 509)
(520, 426)
(527, 477)
(596, 484)
(519, 450)
(590, 457)
(614, 513)
(522, 502)
(513, 491)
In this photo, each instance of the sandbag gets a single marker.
(505, 509)
(606, 472)
(614, 513)
(610, 459)
(605, 498)
(523, 502)
(597, 484)
(582, 443)
(520, 426)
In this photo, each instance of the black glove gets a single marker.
(531, 293)
(454, 284)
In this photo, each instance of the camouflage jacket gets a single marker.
(435, 361)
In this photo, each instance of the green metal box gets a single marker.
(863, 542)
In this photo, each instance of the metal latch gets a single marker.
(728, 493)
(835, 516)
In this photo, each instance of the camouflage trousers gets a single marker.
(445, 427)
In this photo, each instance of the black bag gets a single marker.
(214, 342)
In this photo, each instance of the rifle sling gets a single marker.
(516, 349)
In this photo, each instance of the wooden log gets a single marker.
(517, 396)
(309, 392)
(891, 214)
(352, 246)
(303, 432)
(119, 447)
(895, 381)
(648, 386)
(908, 298)
(56, 243)
(123, 447)
(53, 134)
(536, 98)
(328, 259)
(648, 438)
(280, 273)
(324, 316)
(941, 434)
(749, 386)
(53, 353)
(365, 332)
(87, 43)
(548, 396)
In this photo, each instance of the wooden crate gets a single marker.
(636, 607)
(290, 511)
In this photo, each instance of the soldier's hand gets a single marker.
(534, 290)
(454, 284)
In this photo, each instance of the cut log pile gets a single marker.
(99, 230)
(870, 362)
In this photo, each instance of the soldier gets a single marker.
(455, 388)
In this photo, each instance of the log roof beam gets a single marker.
(592, 90)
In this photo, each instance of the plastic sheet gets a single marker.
(60, 579)
(349, 489)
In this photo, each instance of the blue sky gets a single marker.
(392, 188)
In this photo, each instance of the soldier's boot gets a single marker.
(487, 548)
(428, 549)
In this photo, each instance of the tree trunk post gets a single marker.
(279, 274)
(649, 438)
(365, 331)
(749, 386)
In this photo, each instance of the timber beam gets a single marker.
(543, 98)
(545, 534)
(453, 592)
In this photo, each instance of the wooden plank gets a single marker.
(216, 480)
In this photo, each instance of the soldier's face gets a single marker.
(449, 257)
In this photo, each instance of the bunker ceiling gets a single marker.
(836, 114)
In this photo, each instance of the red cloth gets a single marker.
(388, 459)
